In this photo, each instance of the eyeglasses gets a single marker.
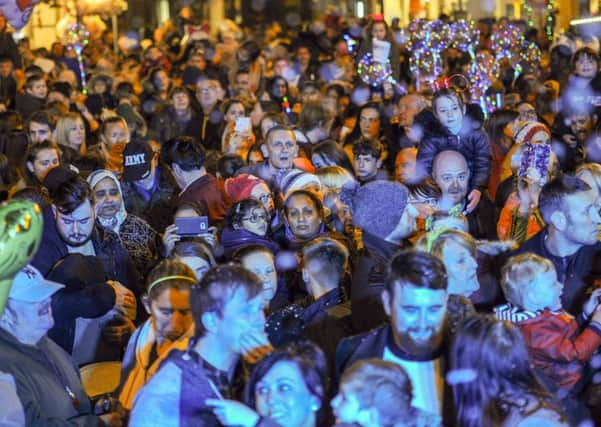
(255, 218)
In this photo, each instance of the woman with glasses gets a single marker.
(247, 223)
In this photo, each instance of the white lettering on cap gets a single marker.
(135, 159)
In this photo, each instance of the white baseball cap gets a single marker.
(30, 286)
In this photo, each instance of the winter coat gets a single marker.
(85, 295)
(48, 385)
(232, 240)
(156, 208)
(166, 125)
(367, 283)
(558, 346)
(472, 143)
(107, 247)
(26, 104)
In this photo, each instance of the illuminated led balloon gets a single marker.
(506, 42)
(530, 55)
(20, 235)
(426, 62)
(372, 72)
(464, 36)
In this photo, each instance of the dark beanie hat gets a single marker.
(63, 88)
(376, 207)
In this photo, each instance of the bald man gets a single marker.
(452, 174)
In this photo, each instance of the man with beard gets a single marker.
(415, 301)
(451, 172)
(70, 228)
(579, 125)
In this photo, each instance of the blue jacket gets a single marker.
(175, 396)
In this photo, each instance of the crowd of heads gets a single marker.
(255, 198)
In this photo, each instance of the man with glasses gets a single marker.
(209, 94)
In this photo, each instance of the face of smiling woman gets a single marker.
(283, 396)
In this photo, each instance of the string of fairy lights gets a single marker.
(77, 38)
(549, 24)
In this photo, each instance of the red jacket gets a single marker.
(557, 348)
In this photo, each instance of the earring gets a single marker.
(315, 407)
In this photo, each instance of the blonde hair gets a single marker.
(519, 272)
(463, 239)
(63, 127)
(381, 385)
(333, 178)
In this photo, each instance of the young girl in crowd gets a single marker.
(247, 223)
(458, 133)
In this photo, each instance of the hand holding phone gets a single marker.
(192, 226)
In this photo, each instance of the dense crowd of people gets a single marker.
(256, 235)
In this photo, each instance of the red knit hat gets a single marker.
(526, 132)
(239, 187)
